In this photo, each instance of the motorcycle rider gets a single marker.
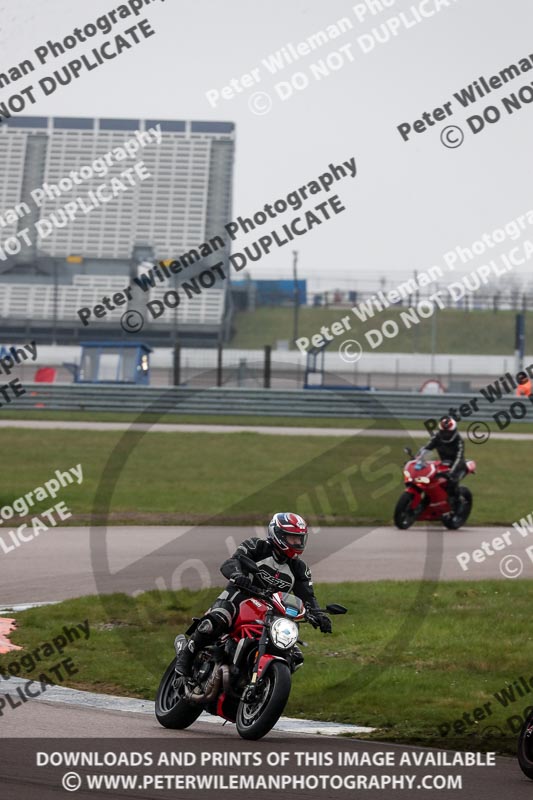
(281, 569)
(451, 449)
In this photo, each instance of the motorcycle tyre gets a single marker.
(182, 714)
(455, 521)
(401, 520)
(525, 748)
(280, 674)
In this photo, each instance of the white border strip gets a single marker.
(130, 705)
(26, 606)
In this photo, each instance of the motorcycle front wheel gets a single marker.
(256, 719)
(525, 747)
(404, 515)
(171, 708)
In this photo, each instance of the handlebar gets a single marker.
(312, 619)
(266, 593)
(257, 592)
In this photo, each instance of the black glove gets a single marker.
(324, 623)
(240, 580)
(319, 620)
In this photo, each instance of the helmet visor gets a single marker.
(296, 541)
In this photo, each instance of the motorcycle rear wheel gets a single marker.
(255, 720)
(171, 708)
(456, 520)
(404, 515)
(525, 747)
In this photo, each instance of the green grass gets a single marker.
(458, 332)
(176, 478)
(210, 419)
(406, 659)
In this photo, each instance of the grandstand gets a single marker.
(45, 309)
(187, 200)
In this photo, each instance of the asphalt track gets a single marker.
(138, 731)
(69, 562)
(268, 430)
(104, 716)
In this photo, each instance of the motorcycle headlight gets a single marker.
(284, 633)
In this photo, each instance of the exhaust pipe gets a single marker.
(212, 687)
(225, 678)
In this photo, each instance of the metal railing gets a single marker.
(255, 402)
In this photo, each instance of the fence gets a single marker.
(240, 368)
(510, 298)
(254, 402)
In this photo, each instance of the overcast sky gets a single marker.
(411, 202)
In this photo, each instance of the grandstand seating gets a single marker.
(35, 302)
(100, 281)
(207, 307)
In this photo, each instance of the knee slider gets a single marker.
(206, 626)
(221, 620)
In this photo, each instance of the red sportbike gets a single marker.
(246, 676)
(425, 496)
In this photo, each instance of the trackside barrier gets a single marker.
(259, 402)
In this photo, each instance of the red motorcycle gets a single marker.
(246, 676)
(425, 497)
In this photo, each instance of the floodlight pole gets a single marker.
(176, 353)
(296, 296)
(520, 340)
(55, 300)
(434, 332)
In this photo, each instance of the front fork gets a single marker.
(417, 504)
(262, 660)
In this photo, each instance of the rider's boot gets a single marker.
(205, 634)
(453, 501)
(184, 658)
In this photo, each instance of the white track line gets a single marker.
(264, 429)
(26, 606)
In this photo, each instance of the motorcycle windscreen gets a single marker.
(292, 605)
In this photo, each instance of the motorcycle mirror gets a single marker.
(335, 608)
(249, 564)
